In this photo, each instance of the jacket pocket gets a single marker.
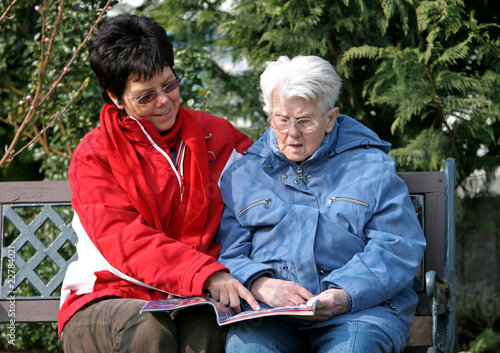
(261, 210)
(264, 203)
(347, 199)
(350, 212)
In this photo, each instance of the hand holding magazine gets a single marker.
(226, 315)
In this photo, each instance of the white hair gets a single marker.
(308, 77)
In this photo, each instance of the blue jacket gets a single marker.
(341, 219)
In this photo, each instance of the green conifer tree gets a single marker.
(422, 74)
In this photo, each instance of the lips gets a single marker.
(165, 113)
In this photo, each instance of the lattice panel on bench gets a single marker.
(44, 243)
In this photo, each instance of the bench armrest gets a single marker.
(443, 312)
(434, 284)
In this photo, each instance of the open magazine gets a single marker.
(226, 315)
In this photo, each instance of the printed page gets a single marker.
(226, 315)
(297, 310)
(222, 312)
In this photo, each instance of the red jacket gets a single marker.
(118, 254)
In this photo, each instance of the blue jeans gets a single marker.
(273, 335)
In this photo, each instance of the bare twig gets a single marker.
(9, 150)
(6, 12)
(51, 123)
(37, 102)
(87, 38)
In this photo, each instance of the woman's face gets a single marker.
(295, 145)
(161, 111)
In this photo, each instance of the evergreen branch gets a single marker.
(423, 11)
(437, 100)
(452, 54)
(451, 80)
(431, 45)
(420, 152)
(389, 7)
(365, 51)
(475, 29)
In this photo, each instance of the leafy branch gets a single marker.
(437, 101)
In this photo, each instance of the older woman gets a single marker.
(316, 209)
(147, 205)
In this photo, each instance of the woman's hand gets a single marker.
(332, 302)
(277, 292)
(228, 290)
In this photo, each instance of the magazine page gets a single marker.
(222, 312)
(226, 315)
(306, 309)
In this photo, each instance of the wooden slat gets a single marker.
(432, 186)
(434, 231)
(423, 182)
(34, 191)
(30, 310)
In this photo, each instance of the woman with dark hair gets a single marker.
(147, 205)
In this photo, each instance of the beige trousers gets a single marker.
(115, 325)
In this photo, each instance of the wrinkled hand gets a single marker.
(332, 302)
(228, 290)
(277, 292)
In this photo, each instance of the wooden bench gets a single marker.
(31, 263)
(433, 195)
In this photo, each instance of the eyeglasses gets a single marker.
(151, 96)
(304, 125)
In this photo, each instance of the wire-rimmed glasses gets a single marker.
(304, 125)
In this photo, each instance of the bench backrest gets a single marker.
(37, 245)
(435, 282)
(432, 193)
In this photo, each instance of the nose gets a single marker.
(293, 131)
(162, 99)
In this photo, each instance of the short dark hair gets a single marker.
(129, 45)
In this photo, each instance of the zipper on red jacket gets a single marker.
(180, 178)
